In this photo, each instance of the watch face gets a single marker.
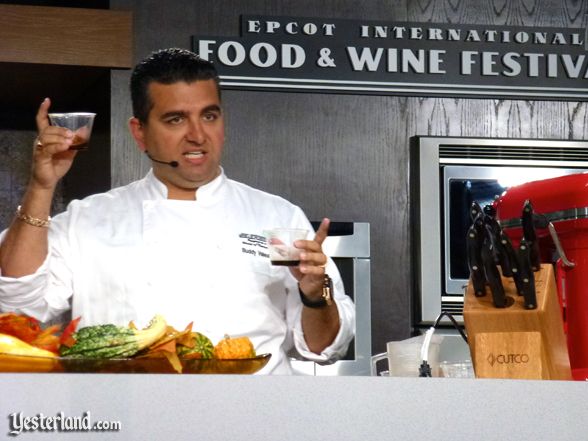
(327, 290)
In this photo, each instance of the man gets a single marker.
(185, 242)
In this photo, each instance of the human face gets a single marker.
(185, 125)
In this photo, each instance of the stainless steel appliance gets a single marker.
(348, 244)
(447, 174)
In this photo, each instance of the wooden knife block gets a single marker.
(515, 342)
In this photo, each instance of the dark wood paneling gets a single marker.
(339, 156)
(127, 163)
(346, 156)
(71, 88)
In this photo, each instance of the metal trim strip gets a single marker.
(554, 216)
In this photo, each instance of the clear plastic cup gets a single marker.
(80, 123)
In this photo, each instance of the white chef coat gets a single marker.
(131, 253)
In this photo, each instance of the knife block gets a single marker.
(515, 342)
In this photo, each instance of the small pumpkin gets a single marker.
(234, 348)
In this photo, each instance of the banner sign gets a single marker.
(395, 58)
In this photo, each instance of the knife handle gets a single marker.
(502, 245)
(490, 210)
(527, 222)
(474, 255)
(509, 252)
(530, 235)
(490, 219)
(478, 224)
(490, 237)
(513, 260)
(535, 256)
(493, 276)
(527, 276)
(475, 211)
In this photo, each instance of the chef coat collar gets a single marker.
(206, 194)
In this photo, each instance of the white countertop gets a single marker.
(223, 407)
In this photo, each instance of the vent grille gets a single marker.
(515, 153)
(453, 308)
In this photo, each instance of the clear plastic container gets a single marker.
(404, 357)
(457, 369)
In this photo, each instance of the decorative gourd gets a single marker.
(111, 341)
(202, 347)
(234, 348)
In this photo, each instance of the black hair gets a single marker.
(167, 66)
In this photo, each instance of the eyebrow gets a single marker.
(174, 113)
(212, 108)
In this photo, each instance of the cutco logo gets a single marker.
(507, 359)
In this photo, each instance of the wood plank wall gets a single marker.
(66, 36)
(346, 156)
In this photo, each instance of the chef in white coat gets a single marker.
(185, 241)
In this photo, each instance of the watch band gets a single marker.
(326, 298)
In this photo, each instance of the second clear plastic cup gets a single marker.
(281, 245)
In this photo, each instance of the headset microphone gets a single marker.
(173, 164)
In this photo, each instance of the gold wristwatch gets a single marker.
(326, 298)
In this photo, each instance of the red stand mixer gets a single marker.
(560, 208)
